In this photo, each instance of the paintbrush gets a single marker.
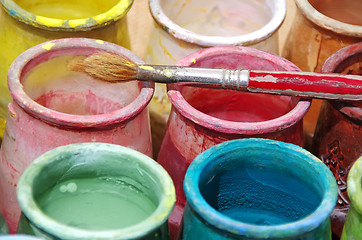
(115, 68)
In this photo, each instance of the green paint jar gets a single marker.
(96, 191)
(352, 229)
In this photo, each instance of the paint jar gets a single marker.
(338, 136)
(52, 106)
(258, 189)
(353, 226)
(203, 117)
(186, 26)
(321, 28)
(96, 191)
(24, 24)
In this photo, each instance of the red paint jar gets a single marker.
(338, 135)
(202, 117)
(52, 106)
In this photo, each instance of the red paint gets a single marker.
(307, 83)
(201, 118)
(60, 117)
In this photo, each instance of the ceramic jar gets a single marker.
(338, 136)
(316, 34)
(184, 27)
(353, 226)
(96, 191)
(53, 106)
(203, 117)
(258, 189)
(24, 24)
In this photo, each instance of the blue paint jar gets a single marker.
(258, 189)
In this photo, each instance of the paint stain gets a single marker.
(96, 203)
(259, 196)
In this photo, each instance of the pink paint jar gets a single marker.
(338, 135)
(201, 118)
(52, 106)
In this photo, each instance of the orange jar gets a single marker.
(317, 32)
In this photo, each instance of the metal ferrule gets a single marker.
(226, 78)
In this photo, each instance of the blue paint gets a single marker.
(12, 12)
(258, 189)
(259, 196)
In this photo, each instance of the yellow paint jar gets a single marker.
(24, 24)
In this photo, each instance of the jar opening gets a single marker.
(49, 82)
(258, 194)
(347, 11)
(219, 18)
(66, 9)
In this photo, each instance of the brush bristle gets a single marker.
(105, 66)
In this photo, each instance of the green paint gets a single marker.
(96, 203)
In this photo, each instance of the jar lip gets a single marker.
(25, 194)
(115, 13)
(354, 183)
(71, 120)
(277, 124)
(234, 227)
(330, 65)
(208, 41)
(326, 22)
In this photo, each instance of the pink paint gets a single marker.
(201, 118)
(69, 109)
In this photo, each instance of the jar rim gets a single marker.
(277, 124)
(32, 211)
(53, 24)
(235, 227)
(330, 65)
(185, 35)
(71, 120)
(326, 22)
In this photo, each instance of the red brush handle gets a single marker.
(303, 84)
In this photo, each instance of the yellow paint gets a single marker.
(193, 61)
(100, 41)
(48, 46)
(148, 68)
(77, 22)
(165, 51)
(168, 73)
(49, 21)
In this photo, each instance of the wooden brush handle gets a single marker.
(305, 84)
(300, 84)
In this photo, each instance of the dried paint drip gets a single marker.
(219, 18)
(96, 203)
